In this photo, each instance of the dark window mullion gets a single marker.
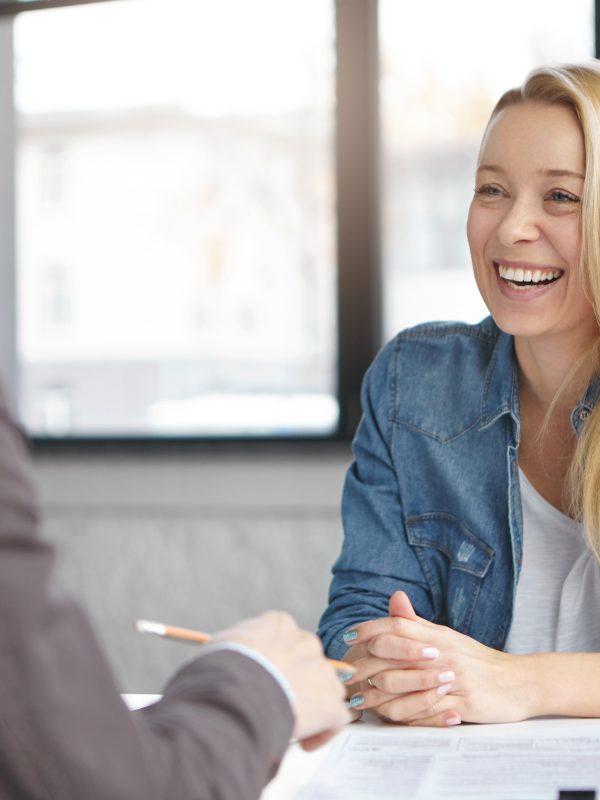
(358, 200)
(8, 354)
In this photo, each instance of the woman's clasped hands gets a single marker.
(411, 671)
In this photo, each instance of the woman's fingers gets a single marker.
(419, 689)
(401, 681)
(448, 719)
(391, 647)
(414, 629)
(407, 707)
(444, 719)
(370, 665)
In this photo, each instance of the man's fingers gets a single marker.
(316, 741)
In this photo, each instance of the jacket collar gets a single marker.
(500, 393)
(584, 408)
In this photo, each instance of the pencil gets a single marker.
(198, 637)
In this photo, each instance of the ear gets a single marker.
(400, 606)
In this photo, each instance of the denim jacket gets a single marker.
(431, 502)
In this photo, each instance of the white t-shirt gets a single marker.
(557, 604)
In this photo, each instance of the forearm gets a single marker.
(219, 732)
(221, 729)
(358, 597)
(564, 684)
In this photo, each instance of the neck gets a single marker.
(546, 361)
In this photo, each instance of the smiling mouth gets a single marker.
(524, 279)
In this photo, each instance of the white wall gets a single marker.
(193, 539)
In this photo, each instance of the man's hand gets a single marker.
(319, 706)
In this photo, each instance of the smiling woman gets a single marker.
(524, 223)
(475, 488)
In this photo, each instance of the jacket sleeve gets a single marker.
(65, 734)
(376, 558)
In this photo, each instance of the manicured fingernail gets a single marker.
(350, 636)
(356, 701)
(454, 720)
(430, 652)
(444, 689)
(345, 676)
(446, 677)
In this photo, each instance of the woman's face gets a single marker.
(524, 225)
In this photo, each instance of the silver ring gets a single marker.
(370, 682)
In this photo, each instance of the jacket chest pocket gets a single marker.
(454, 561)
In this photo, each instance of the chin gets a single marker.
(518, 325)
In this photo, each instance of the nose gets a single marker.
(519, 224)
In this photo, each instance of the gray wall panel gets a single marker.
(197, 543)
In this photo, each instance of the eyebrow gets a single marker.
(550, 173)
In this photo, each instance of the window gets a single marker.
(176, 226)
(198, 241)
(440, 78)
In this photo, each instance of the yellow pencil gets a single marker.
(198, 637)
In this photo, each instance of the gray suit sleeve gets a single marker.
(219, 732)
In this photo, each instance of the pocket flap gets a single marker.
(446, 533)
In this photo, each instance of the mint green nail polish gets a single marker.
(356, 701)
(345, 676)
(350, 636)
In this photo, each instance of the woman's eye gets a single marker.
(559, 196)
(488, 191)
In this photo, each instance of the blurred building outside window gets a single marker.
(175, 160)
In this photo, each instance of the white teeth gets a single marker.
(520, 287)
(527, 275)
(507, 273)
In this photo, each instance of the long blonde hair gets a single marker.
(577, 86)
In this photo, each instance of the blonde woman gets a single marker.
(475, 488)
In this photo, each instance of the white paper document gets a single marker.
(403, 764)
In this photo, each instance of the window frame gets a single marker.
(358, 225)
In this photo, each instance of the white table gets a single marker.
(299, 768)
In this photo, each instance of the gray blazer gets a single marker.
(219, 732)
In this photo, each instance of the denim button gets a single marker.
(583, 414)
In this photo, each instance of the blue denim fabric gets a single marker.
(431, 502)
